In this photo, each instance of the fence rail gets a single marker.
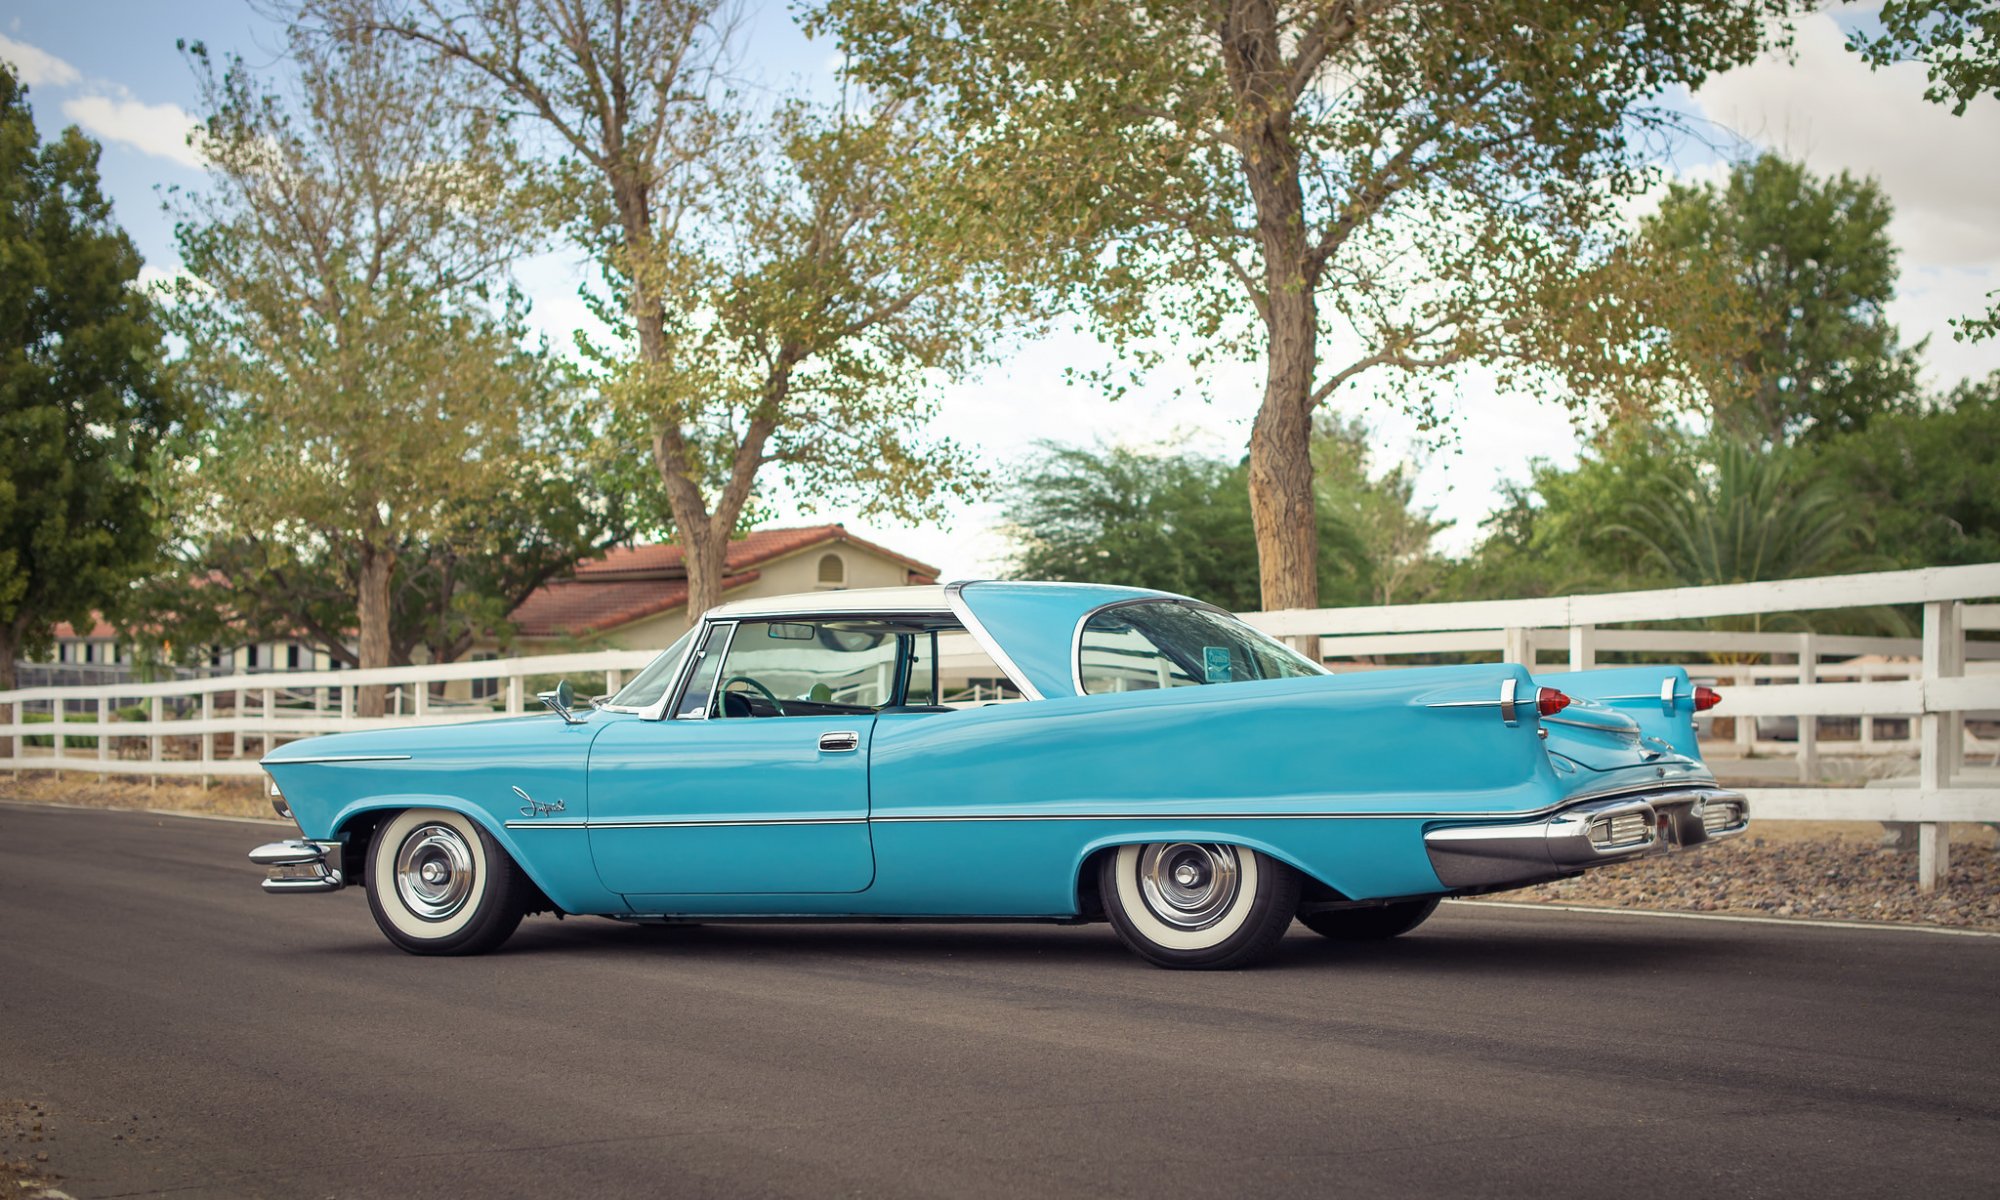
(1910, 695)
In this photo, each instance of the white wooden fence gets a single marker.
(1943, 678)
(220, 726)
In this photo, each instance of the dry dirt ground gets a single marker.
(1825, 870)
(1821, 869)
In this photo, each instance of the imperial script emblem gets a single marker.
(534, 807)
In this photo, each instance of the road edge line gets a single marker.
(1808, 922)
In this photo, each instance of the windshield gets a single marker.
(650, 684)
(1173, 643)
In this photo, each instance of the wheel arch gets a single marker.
(1084, 878)
(363, 817)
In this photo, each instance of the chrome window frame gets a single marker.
(685, 675)
(673, 682)
(1083, 622)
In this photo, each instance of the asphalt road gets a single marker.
(188, 1035)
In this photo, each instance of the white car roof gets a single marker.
(923, 598)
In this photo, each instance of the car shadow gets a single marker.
(1566, 950)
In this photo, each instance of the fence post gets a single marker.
(207, 735)
(1520, 647)
(103, 728)
(270, 712)
(420, 699)
(514, 693)
(56, 738)
(1582, 647)
(157, 711)
(1944, 655)
(236, 719)
(1809, 726)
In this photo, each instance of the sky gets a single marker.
(111, 67)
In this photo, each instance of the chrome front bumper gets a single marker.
(1591, 834)
(298, 866)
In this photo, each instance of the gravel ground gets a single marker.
(1827, 870)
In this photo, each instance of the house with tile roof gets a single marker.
(635, 597)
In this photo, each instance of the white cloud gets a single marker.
(1826, 109)
(37, 67)
(1830, 111)
(157, 129)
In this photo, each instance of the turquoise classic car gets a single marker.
(1112, 754)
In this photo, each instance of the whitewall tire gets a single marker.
(438, 884)
(1198, 905)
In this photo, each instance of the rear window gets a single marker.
(1171, 643)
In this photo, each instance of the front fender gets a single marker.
(558, 862)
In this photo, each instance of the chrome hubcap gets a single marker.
(1189, 885)
(434, 872)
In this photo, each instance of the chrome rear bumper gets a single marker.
(298, 866)
(1591, 834)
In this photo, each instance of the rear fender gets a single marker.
(1659, 700)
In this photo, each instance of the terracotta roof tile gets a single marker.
(630, 583)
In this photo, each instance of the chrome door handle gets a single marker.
(845, 739)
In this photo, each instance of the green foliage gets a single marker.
(1927, 479)
(784, 295)
(1425, 187)
(1181, 522)
(1816, 266)
(1741, 513)
(84, 401)
(1959, 40)
(384, 447)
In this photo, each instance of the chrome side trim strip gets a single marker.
(334, 758)
(685, 824)
(954, 596)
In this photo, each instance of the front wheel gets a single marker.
(1369, 924)
(439, 884)
(1201, 906)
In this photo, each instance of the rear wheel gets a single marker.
(1370, 924)
(439, 884)
(1195, 905)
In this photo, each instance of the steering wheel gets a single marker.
(766, 692)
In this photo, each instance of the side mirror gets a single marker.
(561, 700)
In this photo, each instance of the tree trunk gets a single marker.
(372, 611)
(707, 555)
(1282, 507)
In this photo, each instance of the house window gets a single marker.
(832, 573)
(292, 656)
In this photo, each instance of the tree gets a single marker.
(1959, 41)
(782, 289)
(1181, 522)
(1925, 477)
(561, 502)
(1815, 260)
(1556, 533)
(1741, 513)
(1337, 187)
(84, 400)
(363, 391)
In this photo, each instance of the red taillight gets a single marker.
(1549, 701)
(1706, 698)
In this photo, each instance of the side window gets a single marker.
(701, 681)
(1165, 643)
(803, 669)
